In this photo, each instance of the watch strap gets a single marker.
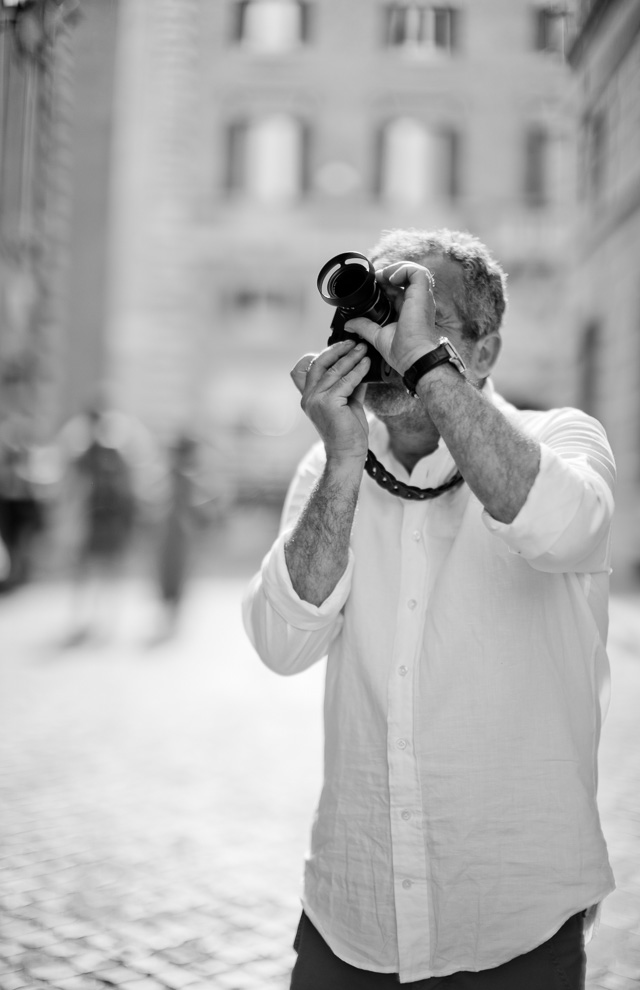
(428, 361)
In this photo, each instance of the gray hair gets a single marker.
(482, 303)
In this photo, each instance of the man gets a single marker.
(457, 841)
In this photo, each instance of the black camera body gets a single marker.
(348, 282)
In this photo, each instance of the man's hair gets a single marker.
(482, 302)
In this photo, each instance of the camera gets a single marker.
(348, 282)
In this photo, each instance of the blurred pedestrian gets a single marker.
(102, 476)
(176, 530)
(21, 514)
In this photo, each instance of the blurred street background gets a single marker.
(173, 175)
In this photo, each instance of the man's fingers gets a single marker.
(348, 384)
(311, 367)
(403, 272)
(366, 329)
(320, 372)
(340, 372)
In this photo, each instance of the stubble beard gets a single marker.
(396, 406)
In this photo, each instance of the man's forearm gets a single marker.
(498, 462)
(317, 551)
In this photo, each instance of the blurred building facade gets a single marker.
(606, 58)
(257, 138)
(35, 99)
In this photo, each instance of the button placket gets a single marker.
(407, 836)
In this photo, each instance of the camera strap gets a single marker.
(386, 480)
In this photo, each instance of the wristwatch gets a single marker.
(445, 351)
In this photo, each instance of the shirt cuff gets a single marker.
(555, 498)
(276, 582)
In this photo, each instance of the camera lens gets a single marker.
(347, 280)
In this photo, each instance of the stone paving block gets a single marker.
(175, 978)
(626, 967)
(74, 929)
(90, 961)
(8, 949)
(141, 935)
(14, 928)
(13, 902)
(622, 910)
(51, 971)
(201, 985)
(38, 940)
(22, 885)
(211, 968)
(270, 969)
(13, 981)
(142, 961)
(117, 975)
(103, 941)
(611, 981)
(19, 961)
(184, 955)
(240, 980)
(236, 953)
(80, 983)
(64, 950)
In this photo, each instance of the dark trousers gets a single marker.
(558, 964)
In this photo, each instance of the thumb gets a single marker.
(300, 371)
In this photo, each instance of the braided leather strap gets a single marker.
(382, 477)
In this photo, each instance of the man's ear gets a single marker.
(484, 355)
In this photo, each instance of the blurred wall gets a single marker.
(606, 58)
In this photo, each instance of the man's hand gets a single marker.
(332, 398)
(402, 343)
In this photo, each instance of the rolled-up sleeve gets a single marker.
(565, 523)
(288, 633)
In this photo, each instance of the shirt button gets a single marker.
(406, 884)
(403, 671)
(401, 743)
(406, 815)
(416, 535)
(412, 603)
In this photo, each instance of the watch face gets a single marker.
(454, 357)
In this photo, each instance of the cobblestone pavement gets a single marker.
(155, 800)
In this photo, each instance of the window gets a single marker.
(589, 364)
(550, 24)
(267, 158)
(261, 316)
(595, 134)
(452, 162)
(417, 164)
(421, 26)
(248, 300)
(536, 174)
(271, 26)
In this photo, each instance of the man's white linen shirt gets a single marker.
(466, 683)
